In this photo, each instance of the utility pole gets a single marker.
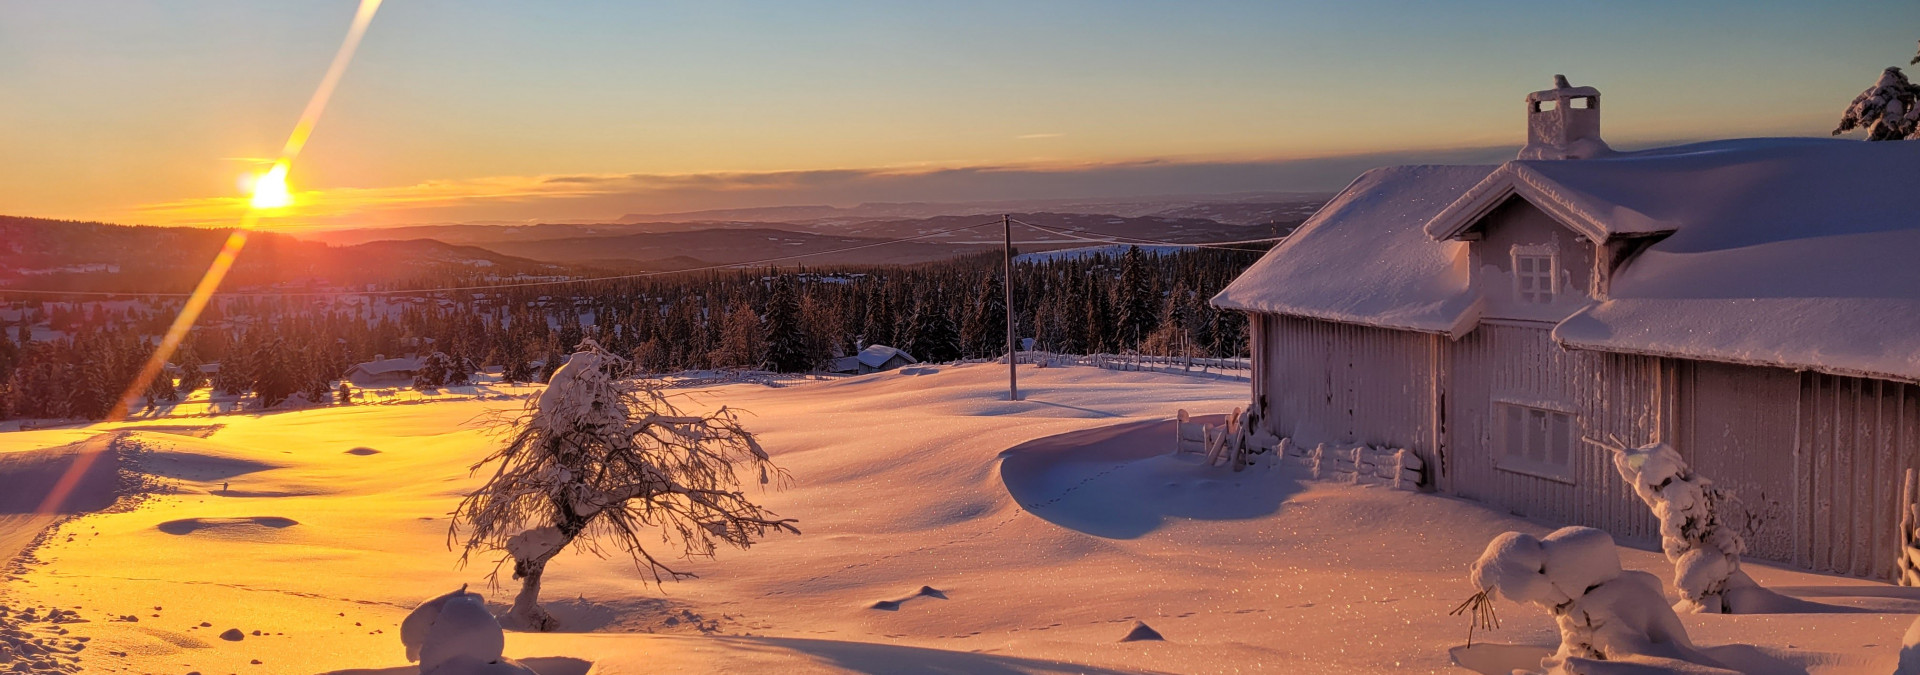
(1013, 353)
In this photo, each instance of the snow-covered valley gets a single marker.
(946, 530)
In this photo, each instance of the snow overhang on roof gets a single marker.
(1593, 218)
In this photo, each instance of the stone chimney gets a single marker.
(1564, 123)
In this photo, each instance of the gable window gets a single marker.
(1534, 440)
(1534, 271)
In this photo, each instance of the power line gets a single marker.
(525, 284)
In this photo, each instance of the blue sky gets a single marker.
(132, 104)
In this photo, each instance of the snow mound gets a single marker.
(454, 634)
(1120, 482)
(1141, 632)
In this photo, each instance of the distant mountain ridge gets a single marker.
(1255, 206)
(38, 253)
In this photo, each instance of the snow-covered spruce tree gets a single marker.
(160, 390)
(274, 377)
(602, 457)
(931, 335)
(1134, 298)
(740, 345)
(1889, 110)
(1694, 530)
(786, 342)
(434, 371)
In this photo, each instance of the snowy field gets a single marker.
(945, 531)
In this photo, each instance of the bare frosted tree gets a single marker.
(602, 458)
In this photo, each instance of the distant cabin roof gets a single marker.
(1797, 253)
(875, 356)
(387, 366)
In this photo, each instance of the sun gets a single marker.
(270, 189)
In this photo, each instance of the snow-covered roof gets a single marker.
(386, 366)
(1363, 258)
(1796, 253)
(875, 356)
(1788, 252)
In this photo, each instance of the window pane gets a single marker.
(1537, 435)
(1515, 435)
(1562, 439)
(1525, 265)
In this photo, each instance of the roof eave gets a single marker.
(1516, 180)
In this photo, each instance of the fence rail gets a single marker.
(1222, 368)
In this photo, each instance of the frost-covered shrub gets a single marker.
(1603, 613)
(599, 455)
(1695, 533)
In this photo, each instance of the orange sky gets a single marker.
(148, 112)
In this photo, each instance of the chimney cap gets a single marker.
(1561, 89)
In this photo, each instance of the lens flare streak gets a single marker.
(270, 191)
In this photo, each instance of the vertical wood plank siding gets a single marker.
(1817, 459)
(1339, 383)
(1856, 438)
(1613, 395)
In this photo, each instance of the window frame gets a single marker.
(1534, 255)
(1534, 455)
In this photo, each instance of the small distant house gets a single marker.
(873, 359)
(1754, 303)
(385, 372)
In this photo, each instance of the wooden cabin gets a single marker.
(1754, 302)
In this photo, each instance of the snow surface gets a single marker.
(1047, 528)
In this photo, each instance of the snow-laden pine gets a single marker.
(1695, 530)
(601, 456)
(1888, 110)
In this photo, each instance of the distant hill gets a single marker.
(38, 253)
(681, 245)
(1123, 207)
(695, 248)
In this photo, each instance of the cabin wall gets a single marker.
(1856, 440)
(1739, 428)
(1611, 396)
(1337, 383)
(1816, 459)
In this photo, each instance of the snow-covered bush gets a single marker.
(1695, 532)
(599, 455)
(454, 634)
(1603, 612)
